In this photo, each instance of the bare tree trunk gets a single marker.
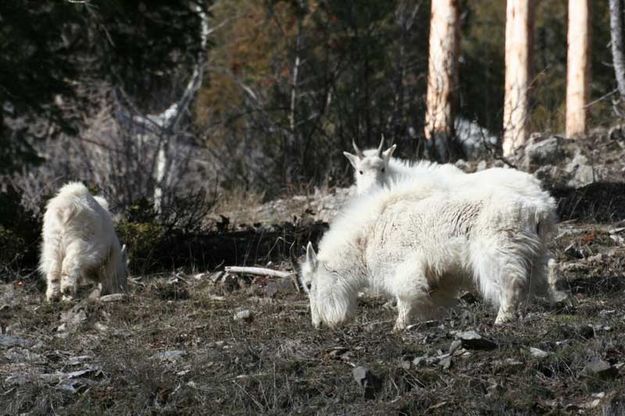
(519, 30)
(442, 78)
(291, 145)
(578, 67)
(616, 33)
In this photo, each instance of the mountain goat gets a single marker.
(79, 242)
(376, 168)
(421, 246)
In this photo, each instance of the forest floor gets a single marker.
(212, 343)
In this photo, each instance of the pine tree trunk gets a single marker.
(578, 67)
(616, 33)
(442, 79)
(519, 38)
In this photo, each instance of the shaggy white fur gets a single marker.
(79, 242)
(422, 246)
(374, 168)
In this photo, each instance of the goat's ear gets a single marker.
(353, 159)
(311, 256)
(388, 153)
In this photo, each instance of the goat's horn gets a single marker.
(381, 146)
(358, 151)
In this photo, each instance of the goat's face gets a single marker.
(329, 303)
(370, 167)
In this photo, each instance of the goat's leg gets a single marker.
(411, 290)
(514, 286)
(53, 282)
(71, 271)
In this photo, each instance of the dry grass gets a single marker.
(277, 364)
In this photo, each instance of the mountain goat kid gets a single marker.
(422, 246)
(79, 242)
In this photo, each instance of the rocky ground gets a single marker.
(214, 343)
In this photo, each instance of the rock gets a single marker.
(367, 380)
(114, 297)
(445, 362)
(481, 166)
(454, 346)
(544, 152)
(471, 340)
(582, 173)
(599, 368)
(538, 353)
(11, 341)
(173, 355)
(72, 319)
(418, 361)
(244, 315)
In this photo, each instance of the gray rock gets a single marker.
(367, 380)
(244, 315)
(538, 353)
(455, 345)
(11, 341)
(114, 297)
(599, 368)
(445, 362)
(471, 340)
(173, 355)
(544, 152)
(580, 170)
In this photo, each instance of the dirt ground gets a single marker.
(174, 346)
(214, 344)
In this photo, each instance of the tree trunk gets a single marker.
(578, 67)
(616, 33)
(519, 37)
(442, 79)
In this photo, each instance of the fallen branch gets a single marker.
(259, 271)
(264, 272)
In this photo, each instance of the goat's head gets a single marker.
(370, 166)
(330, 301)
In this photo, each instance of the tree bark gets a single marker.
(616, 33)
(578, 67)
(519, 38)
(442, 79)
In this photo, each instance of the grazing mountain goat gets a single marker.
(79, 242)
(375, 168)
(421, 246)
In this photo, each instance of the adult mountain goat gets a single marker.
(79, 242)
(421, 246)
(375, 168)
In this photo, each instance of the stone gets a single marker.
(471, 340)
(445, 362)
(244, 315)
(172, 355)
(544, 152)
(582, 173)
(455, 345)
(12, 341)
(538, 353)
(367, 380)
(599, 368)
(114, 297)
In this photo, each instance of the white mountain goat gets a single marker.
(79, 242)
(375, 168)
(421, 246)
